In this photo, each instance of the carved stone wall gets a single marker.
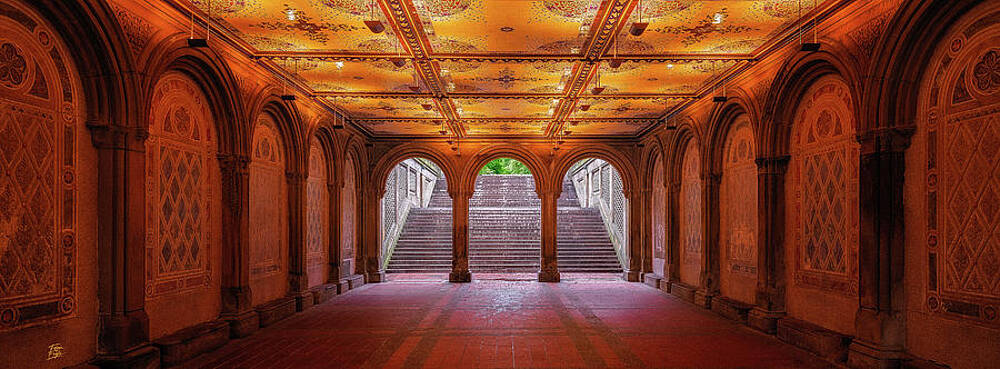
(268, 214)
(823, 208)
(348, 206)
(48, 217)
(317, 216)
(658, 219)
(738, 214)
(182, 215)
(690, 215)
(953, 196)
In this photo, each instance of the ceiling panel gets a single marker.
(623, 108)
(401, 127)
(495, 127)
(723, 26)
(657, 78)
(507, 26)
(354, 76)
(369, 107)
(507, 77)
(535, 108)
(606, 128)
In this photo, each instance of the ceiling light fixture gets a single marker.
(584, 107)
(339, 64)
(427, 106)
(638, 27)
(284, 94)
(290, 14)
(598, 89)
(670, 66)
(374, 24)
(718, 98)
(615, 62)
(201, 42)
(808, 46)
(717, 18)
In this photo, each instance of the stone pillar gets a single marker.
(769, 299)
(237, 308)
(633, 236)
(709, 278)
(298, 275)
(646, 228)
(460, 237)
(334, 234)
(879, 324)
(124, 326)
(550, 263)
(371, 236)
(673, 260)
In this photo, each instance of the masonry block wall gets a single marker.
(150, 192)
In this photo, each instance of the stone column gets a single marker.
(550, 263)
(633, 236)
(124, 325)
(879, 324)
(673, 257)
(709, 278)
(770, 295)
(460, 237)
(371, 237)
(334, 234)
(237, 307)
(298, 275)
(646, 229)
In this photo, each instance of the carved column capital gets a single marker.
(884, 140)
(112, 137)
(773, 165)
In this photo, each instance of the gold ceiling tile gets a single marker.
(506, 77)
(510, 26)
(376, 107)
(623, 108)
(402, 127)
(355, 76)
(533, 108)
(606, 127)
(724, 26)
(659, 78)
(505, 127)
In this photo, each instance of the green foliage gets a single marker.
(505, 166)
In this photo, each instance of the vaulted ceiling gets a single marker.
(505, 67)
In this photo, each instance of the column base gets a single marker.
(823, 342)
(764, 320)
(652, 280)
(863, 355)
(682, 291)
(375, 277)
(303, 300)
(142, 357)
(275, 311)
(460, 276)
(665, 285)
(354, 281)
(324, 292)
(632, 276)
(703, 299)
(731, 309)
(548, 276)
(242, 324)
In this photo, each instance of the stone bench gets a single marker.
(187, 343)
(813, 338)
(275, 311)
(732, 309)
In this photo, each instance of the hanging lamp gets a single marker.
(374, 24)
(638, 27)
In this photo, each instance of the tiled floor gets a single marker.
(586, 321)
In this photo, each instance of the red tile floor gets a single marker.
(498, 321)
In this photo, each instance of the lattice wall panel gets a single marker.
(268, 208)
(690, 212)
(738, 198)
(348, 206)
(38, 162)
(962, 180)
(318, 214)
(824, 169)
(178, 152)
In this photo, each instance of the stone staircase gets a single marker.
(504, 231)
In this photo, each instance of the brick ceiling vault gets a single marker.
(506, 68)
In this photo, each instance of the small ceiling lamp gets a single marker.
(374, 24)
(573, 123)
(285, 95)
(444, 129)
(615, 62)
(638, 27)
(567, 132)
(597, 88)
(427, 107)
(398, 60)
(338, 122)
(719, 98)
(584, 107)
(808, 46)
(201, 42)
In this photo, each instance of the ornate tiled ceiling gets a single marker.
(505, 67)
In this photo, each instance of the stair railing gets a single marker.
(410, 185)
(599, 185)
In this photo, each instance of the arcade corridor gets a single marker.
(586, 321)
